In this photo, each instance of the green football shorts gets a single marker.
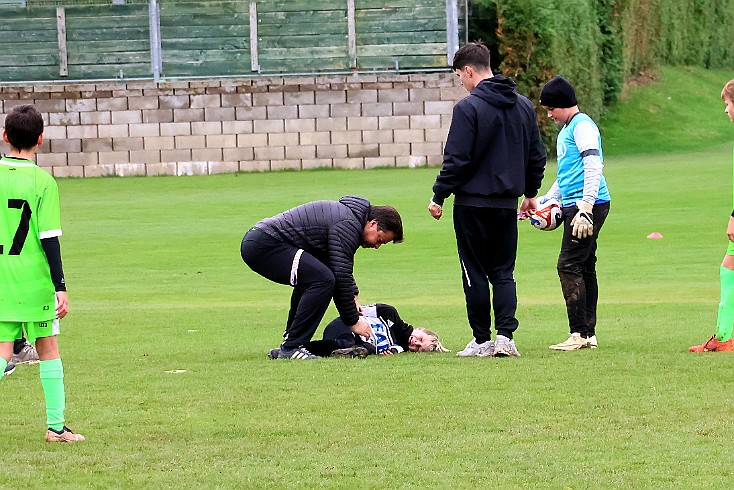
(10, 331)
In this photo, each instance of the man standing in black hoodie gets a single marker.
(493, 155)
(311, 247)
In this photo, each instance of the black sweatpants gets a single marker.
(312, 281)
(577, 271)
(18, 345)
(487, 242)
(337, 335)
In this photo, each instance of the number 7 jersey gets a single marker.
(29, 212)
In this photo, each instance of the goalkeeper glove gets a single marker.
(583, 222)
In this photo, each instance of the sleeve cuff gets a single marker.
(437, 200)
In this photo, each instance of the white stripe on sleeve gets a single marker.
(49, 234)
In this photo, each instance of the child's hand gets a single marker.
(62, 304)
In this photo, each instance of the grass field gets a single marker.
(156, 285)
(680, 112)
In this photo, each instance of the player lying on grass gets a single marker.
(722, 339)
(390, 335)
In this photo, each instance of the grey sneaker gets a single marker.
(274, 353)
(351, 352)
(299, 353)
(505, 347)
(9, 369)
(27, 355)
(472, 349)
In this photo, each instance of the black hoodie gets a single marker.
(494, 153)
(332, 232)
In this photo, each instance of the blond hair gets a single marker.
(728, 92)
(435, 345)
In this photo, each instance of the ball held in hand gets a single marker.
(548, 215)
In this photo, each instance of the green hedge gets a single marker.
(596, 44)
(678, 32)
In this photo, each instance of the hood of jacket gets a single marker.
(359, 206)
(498, 91)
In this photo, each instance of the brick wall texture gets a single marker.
(216, 126)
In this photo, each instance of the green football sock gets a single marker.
(725, 321)
(52, 380)
(3, 365)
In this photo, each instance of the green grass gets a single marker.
(148, 260)
(681, 112)
(156, 284)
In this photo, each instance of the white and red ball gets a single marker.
(548, 215)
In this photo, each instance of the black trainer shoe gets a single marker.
(299, 353)
(351, 352)
(9, 369)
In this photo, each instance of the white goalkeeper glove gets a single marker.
(583, 222)
(541, 199)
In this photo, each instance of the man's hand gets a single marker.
(583, 222)
(435, 210)
(730, 229)
(62, 304)
(528, 207)
(362, 328)
(358, 305)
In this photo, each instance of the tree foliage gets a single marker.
(596, 44)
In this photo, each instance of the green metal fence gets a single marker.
(166, 39)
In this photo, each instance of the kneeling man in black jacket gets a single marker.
(311, 247)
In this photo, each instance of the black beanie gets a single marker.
(558, 93)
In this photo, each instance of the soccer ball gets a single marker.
(548, 215)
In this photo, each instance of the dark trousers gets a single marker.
(487, 242)
(18, 345)
(577, 271)
(337, 335)
(312, 281)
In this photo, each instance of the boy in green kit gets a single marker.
(722, 339)
(32, 288)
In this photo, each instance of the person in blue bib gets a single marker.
(581, 188)
(389, 334)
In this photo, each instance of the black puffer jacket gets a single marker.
(332, 232)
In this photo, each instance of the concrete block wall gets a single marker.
(230, 125)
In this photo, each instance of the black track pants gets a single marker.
(312, 281)
(337, 335)
(487, 242)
